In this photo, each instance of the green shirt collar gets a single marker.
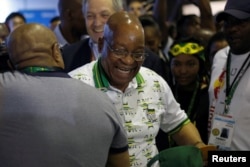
(100, 78)
(34, 69)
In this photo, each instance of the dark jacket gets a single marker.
(76, 55)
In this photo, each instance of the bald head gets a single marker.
(34, 45)
(123, 48)
(121, 22)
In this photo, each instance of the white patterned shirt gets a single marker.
(145, 106)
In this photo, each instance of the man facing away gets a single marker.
(49, 119)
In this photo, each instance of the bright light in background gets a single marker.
(216, 6)
(5, 9)
(8, 6)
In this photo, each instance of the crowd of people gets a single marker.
(114, 82)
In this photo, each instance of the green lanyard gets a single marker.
(230, 89)
(191, 105)
(34, 69)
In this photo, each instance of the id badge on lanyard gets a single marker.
(222, 131)
(223, 124)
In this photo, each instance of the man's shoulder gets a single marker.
(86, 68)
(11, 77)
(147, 72)
(76, 54)
(221, 54)
(151, 76)
(84, 73)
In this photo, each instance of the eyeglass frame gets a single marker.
(118, 53)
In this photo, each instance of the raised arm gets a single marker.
(160, 14)
(206, 15)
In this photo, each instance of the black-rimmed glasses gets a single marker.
(119, 53)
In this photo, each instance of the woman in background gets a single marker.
(189, 83)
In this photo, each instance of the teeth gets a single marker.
(124, 70)
(98, 31)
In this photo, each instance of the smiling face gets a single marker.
(126, 37)
(185, 69)
(96, 13)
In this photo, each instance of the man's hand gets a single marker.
(204, 150)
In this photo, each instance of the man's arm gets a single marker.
(118, 160)
(206, 15)
(189, 135)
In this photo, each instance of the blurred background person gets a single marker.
(72, 27)
(189, 83)
(4, 32)
(4, 56)
(153, 41)
(54, 21)
(215, 43)
(96, 13)
(140, 7)
(14, 19)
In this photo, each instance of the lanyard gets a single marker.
(230, 89)
(34, 69)
(190, 107)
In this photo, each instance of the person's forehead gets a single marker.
(99, 4)
(135, 4)
(185, 57)
(16, 19)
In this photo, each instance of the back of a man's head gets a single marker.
(33, 45)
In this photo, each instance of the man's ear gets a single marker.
(100, 44)
(57, 56)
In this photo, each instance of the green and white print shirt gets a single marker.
(146, 105)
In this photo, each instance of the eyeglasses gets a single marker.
(119, 53)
